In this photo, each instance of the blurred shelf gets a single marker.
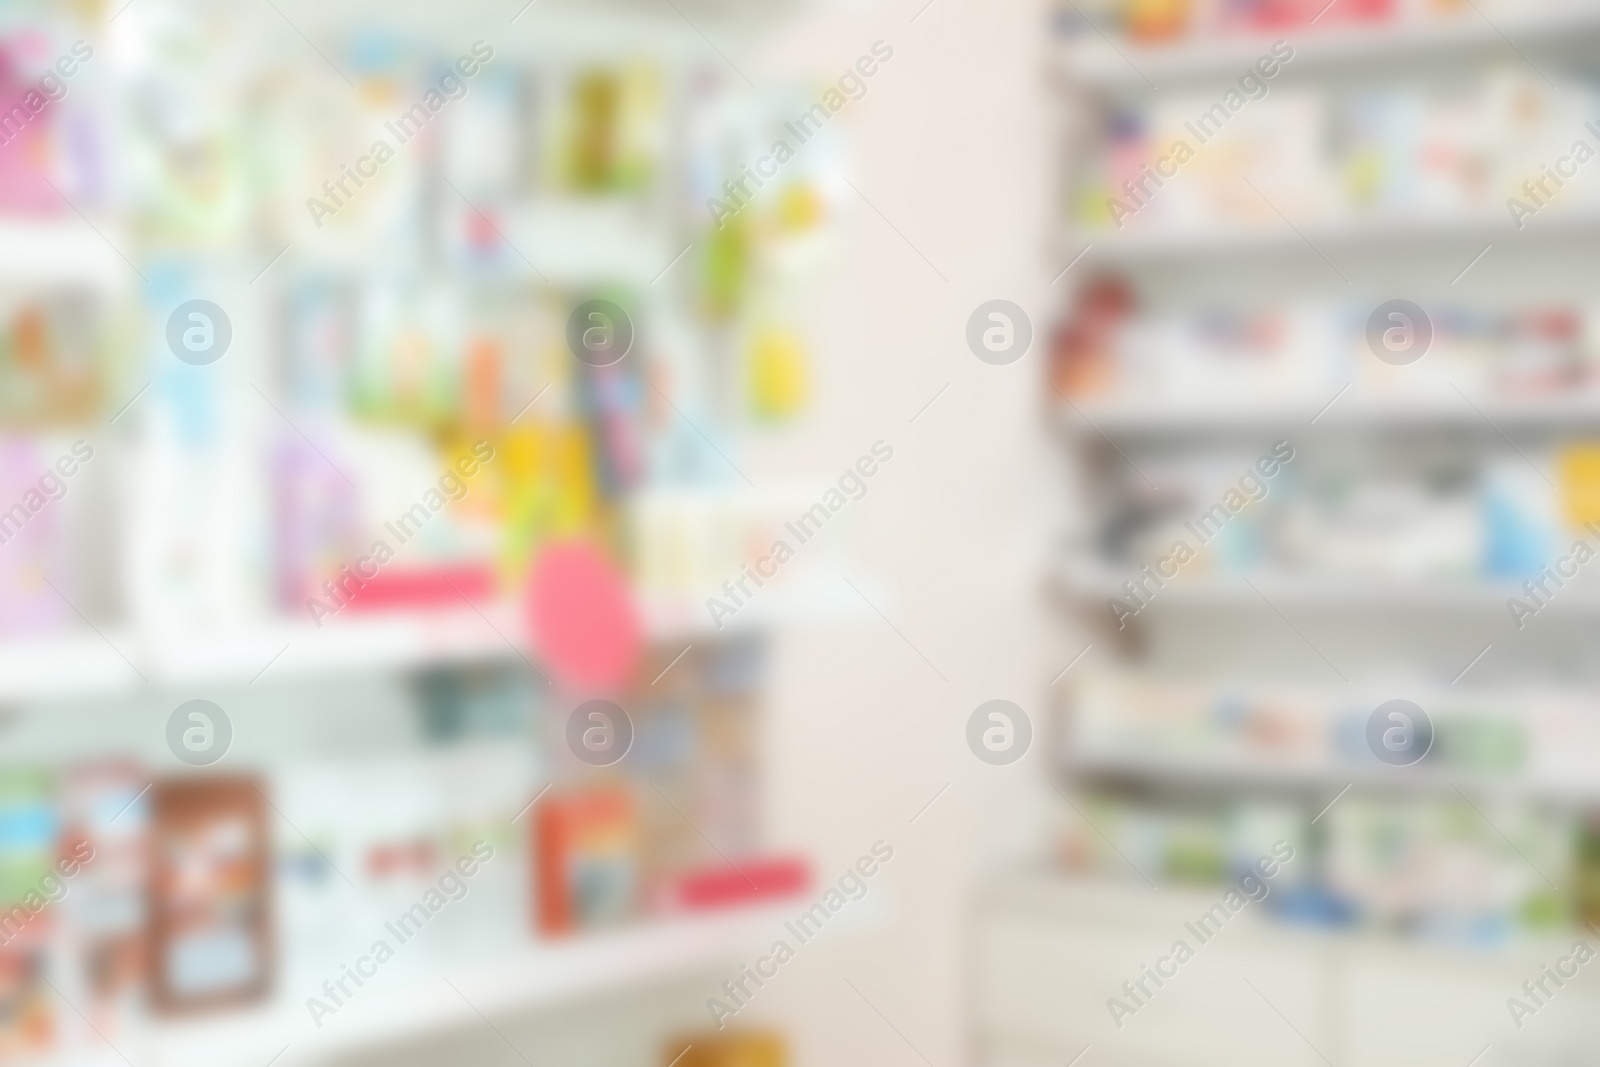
(1154, 244)
(1079, 579)
(1135, 417)
(58, 251)
(1240, 772)
(73, 664)
(537, 975)
(89, 663)
(1101, 901)
(1092, 63)
(459, 635)
(83, 663)
(285, 648)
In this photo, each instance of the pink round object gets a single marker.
(582, 618)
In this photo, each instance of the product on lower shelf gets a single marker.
(586, 864)
(1439, 868)
(27, 838)
(211, 933)
(1446, 870)
(106, 827)
(27, 1021)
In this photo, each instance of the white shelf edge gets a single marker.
(1155, 243)
(1164, 417)
(1329, 775)
(1089, 898)
(1088, 579)
(83, 663)
(71, 664)
(61, 250)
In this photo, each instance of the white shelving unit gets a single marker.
(1094, 69)
(573, 243)
(1049, 947)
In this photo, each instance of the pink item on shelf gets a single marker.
(411, 588)
(582, 618)
(755, 879)
(27, 154)
(1276, 16)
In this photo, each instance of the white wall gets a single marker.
(952, 145)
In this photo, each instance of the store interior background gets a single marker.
(983, 562)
